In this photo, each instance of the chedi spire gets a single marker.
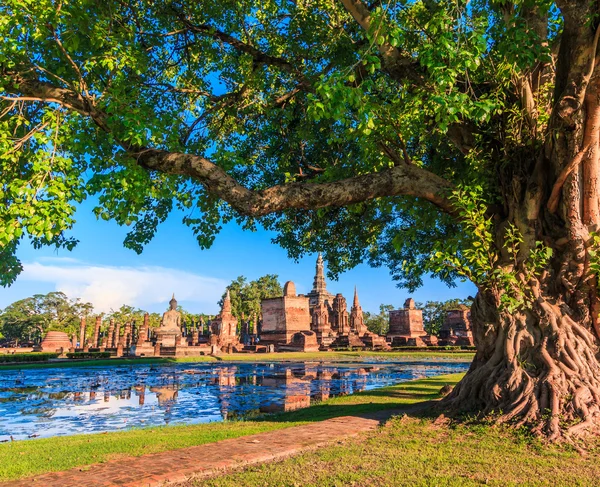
(319, 285)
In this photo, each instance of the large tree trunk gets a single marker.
(539, 364)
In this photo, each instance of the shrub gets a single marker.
(92, 355)
(447, 348)
(27, 357)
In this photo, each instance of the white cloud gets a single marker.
(107, 287)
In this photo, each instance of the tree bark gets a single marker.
(537, 367)
(540, 365)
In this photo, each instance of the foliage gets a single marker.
(446, 348)
(129, 314)
(27, 357)
(473, 254)
(246, 296)
(379, 323)
(88, 355)
(272, 92)
(31, 318)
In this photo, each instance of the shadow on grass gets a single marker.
(381, 411)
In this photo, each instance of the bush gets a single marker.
(92, 355)
(27, 357)
(447, 348)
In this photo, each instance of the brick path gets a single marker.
(209, 459)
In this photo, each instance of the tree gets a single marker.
(31, 318)
(246, 296)
(434, 312)
(448, 138)
(129, 314)
(379, 323)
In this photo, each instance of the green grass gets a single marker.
(260, 357)
(26, 458)
(417, 452)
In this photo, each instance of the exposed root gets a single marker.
(542, 373)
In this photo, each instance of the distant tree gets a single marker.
(30, 318)
(434, 312)
(246, 296)
(379, 323)
(126, 314)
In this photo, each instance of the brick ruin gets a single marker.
(224, 334)
(317, 320)
(406, 327)
(284, 317)
(456, 329)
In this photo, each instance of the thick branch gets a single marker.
(576, 61)
(401, 180)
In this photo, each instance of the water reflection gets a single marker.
(52, 402)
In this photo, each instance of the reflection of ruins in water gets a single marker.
(296, 388)
(225, 381)
(166, 395)
(53, 402)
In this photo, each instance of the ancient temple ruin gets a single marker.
(319, 293)
(224, 335)
(406, 327)
(172, 338)
(456, 329)
(319, 319)
(284, 316)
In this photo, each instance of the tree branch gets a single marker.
(397, 65)
(407, 180)
(400, 180)
(258, 56)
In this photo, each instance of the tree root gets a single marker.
(543, 373)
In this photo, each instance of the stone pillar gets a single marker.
(74, 341)
(117, 337)
(82, 332)
(143, 334)
(95, 340)
(157, 350)
(111, 334)
(127, 335)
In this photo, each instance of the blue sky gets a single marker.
(101, 271)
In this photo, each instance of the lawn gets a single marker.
(260, 357)
(417, 452)
(26, 458)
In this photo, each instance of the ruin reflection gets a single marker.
(49, 402)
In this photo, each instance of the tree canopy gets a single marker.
(452, 138)
(292, 115)
(246, 296)
(30, 318)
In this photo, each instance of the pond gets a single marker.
(63, 401)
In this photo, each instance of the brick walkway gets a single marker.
(209, 459)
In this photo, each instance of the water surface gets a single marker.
(63, 401)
